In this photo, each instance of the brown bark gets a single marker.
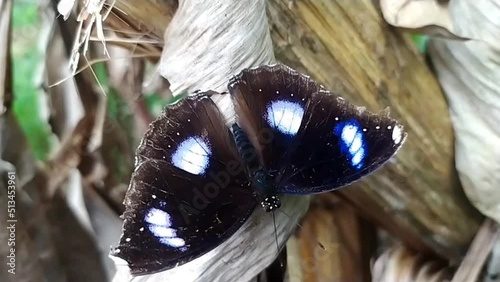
(333, 244)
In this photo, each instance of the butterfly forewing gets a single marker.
(340, 143)
(317, 141)
(270, 102)
(189, 191)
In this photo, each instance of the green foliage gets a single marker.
(27, 97)
(420, 41)
(119, 110)
(156, 104)
(24, 14)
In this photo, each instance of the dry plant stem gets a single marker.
(136, 26)
(347, 46)
(127, 76)
(205, 44)
(85, 257)
(86, 135)
(90, 97)
(472, 264)
(150, 17)
(135, 40)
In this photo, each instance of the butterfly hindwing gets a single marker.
(189, 191)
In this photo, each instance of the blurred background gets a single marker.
(81, 83)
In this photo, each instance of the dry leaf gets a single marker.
(400, 264)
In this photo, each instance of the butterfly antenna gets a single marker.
(276, 233)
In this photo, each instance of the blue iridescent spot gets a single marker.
(159, 223)
(285, 116)
(351, 141)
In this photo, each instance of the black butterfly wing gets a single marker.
(318, 141)
(270, 103)
(189, 191)
(339, 144)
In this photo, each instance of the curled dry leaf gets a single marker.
(432, 17)
(469, 73)
(400, 264)
(457, 19)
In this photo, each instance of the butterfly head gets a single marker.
(271, 203)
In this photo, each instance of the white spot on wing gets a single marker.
(158, 217)
(173, 242)
(351, 138)
(192, 155)
(162, 231)
(397, 134)
(349, 133)
(159, 223)
(357, 158)
(356, 143)
(285, 116)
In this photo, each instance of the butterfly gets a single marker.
(197, 180)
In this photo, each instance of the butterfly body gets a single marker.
(197, 181)
(261, 180)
